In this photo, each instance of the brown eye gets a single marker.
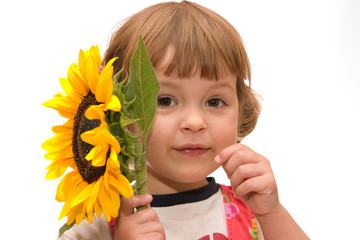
(215, 102)
(166, 102)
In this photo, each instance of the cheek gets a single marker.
(226, 132)
(226, 136)
(159, 134)
(160, 127)
(134, 128)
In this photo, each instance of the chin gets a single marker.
(192, 175)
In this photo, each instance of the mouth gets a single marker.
(192, 149)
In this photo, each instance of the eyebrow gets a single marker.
(218, 84)
(167, 83)
(225, 84)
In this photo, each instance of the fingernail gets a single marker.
(148, 197)
(217, 159)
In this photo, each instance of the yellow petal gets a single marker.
(114, 207)
(95, 112)
(100, 135)
(94, 193)
(69, 91)
(105, 202)
(55, 151)
(108, 69)
(97, 209)
(51, 155)
(113, 104)
(54, 173)
(81, 214)
(82, 66)
(93, 136)
(83, 194)
(124, 188)
(92, 72)
(60, 154)
(113, 155)
(66, 186)
(76, 213)
(91, 154)
(57, 168)
(104, 88)
(95, 51)
(66, 128)
(90, 214)
(64, 211)
(63, 105)
(77, 82)
(59, 141)
(113, 142)
(97, 155)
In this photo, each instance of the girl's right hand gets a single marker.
(143, 224)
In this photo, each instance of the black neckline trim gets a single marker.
(167, 200)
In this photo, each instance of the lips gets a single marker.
(192, 149)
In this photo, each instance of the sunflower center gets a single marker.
(88, 172)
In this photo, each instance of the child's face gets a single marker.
(195, 119)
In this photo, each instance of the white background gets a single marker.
(305, 58)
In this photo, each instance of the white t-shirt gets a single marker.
(192, 215)
(98, 230)
(195, 215)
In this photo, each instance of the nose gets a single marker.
(193, 120)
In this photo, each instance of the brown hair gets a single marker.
(201, 38)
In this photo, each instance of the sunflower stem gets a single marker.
(140, 173)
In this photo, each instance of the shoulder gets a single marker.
(241, 221)
(232, 201)
(98, 230)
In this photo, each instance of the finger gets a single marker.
(238, 158)
(226, 153)
(245, 188)
(146, 215)
(128, 205)
(263, 185)
(154, 236)
(243, 172)
(151, 226)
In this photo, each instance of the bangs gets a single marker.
(200, 40)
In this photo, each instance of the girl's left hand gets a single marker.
(251, 178)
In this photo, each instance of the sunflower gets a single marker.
(85, 144)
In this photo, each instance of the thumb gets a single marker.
(128, 204)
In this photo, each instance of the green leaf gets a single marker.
(117, 76)
(143, 84)
(253, 233)
(65, 227)
(124, 121)
(118, 87)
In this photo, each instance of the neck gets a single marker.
(160, 185)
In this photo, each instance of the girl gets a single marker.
(205, 108)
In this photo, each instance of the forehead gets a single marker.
(195, 81)
(187, 65)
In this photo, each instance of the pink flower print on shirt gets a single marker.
(231, 210)
(215, 236)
